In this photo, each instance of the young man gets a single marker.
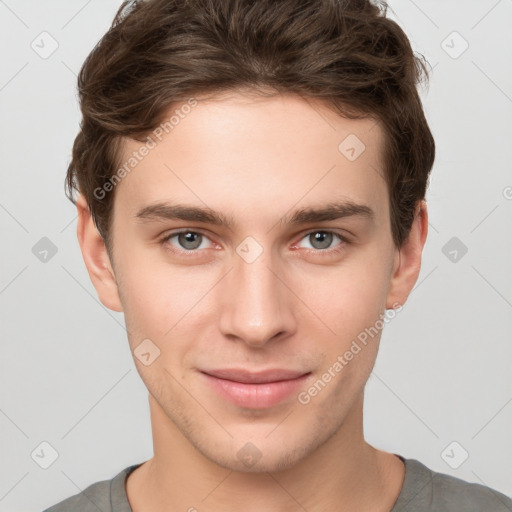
(251, 179)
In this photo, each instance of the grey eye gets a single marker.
(189, 240)
(321, 239)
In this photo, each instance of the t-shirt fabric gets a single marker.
(423, 490)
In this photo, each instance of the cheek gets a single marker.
(351, 304)
(348, 298)
(160, 305)
(160, 299)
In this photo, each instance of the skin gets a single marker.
(297, 306)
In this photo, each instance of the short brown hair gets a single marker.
(159, 53)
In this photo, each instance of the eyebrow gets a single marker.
(331, 211)
(190, 213)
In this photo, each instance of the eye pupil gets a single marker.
(189, 240)
(321, 239)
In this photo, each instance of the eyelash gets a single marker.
(193, 252)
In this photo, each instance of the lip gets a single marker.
(255, 390)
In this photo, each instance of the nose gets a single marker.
(256, 307)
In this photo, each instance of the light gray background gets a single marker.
(67, 375)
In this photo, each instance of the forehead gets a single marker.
(242, 153)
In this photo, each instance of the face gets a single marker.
(251, 249)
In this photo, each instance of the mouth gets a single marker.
(255, 390)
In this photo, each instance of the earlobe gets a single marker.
(96, 258)
(407, 264)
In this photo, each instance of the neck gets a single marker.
(343, 474)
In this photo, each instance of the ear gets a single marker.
(407, 263)
(96, 258)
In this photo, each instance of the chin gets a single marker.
(269, 463)
(260, 453)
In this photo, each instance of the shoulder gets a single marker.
(93, 498)
(425, 490)
(103, 496)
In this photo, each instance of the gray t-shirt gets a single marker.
(423, 490)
